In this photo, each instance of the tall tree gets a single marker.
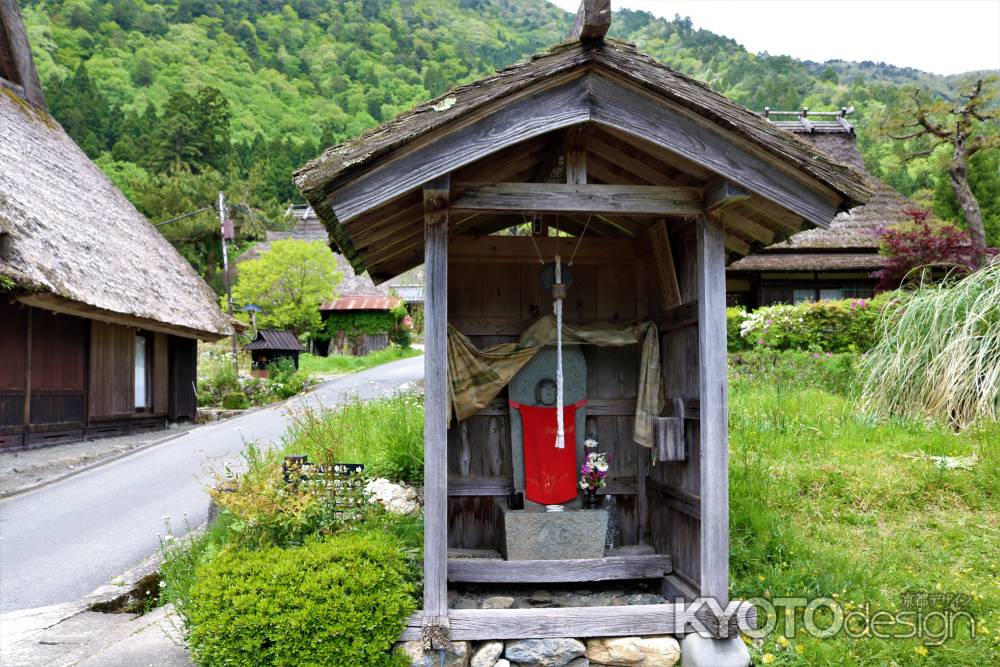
(193, 130)
(289, 282)
(968, 127)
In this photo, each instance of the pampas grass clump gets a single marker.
(938, 355)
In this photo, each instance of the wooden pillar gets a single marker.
(435, 621)
(712, 357)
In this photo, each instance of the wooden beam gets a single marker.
(663, 257)
(435, 621)
(576, 156)
(684, 315)
(722, 194)
(712, 355)
(610, 568)
(543, 623)
(592, 20)
(27, 374)
(519, 249)
(620, 105)
(736, 244)
(656, 200)
(745, 225)
(480, 486)
(630, 163)
(484, 134)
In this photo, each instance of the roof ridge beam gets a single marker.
(592, 21)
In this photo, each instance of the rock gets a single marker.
(578, 662)
(637, 651)
(659, 651)
(503, 662)
(395, 498)
(465, 603)
(456, 655)
(544, 652)
(487, 654)
(698, 651)
(414, 652)
(615, 651)
(498, 602)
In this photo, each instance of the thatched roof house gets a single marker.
(71, 243)
(835, 262)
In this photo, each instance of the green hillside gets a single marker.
(176, 99)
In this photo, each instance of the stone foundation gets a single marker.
(662, 651)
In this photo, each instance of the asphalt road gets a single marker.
(60, 542)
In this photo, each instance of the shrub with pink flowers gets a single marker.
(846, 325)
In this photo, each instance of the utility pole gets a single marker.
(224, 233)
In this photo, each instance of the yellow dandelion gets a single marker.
(767, 658)
(800, 648)
(782, 641)
(920, 650)
(761, 577)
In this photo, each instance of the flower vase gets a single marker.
(590, 500)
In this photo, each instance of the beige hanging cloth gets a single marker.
(478, 376)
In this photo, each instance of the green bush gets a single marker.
(339, 601)
(205, 399)
(283, 381)
(235, 400)
(734, 319)
(794, 368)
(847, 325)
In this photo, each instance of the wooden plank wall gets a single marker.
(161, 374)
(673, 530)
(491, 299)
(58, 357)
(183, 356)
(112, 367)
(13, 349)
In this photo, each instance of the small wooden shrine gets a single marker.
(270, 346)
(594, 160)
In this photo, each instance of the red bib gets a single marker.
(550, 475)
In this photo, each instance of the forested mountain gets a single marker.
(176, 99)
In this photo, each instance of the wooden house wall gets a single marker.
(58, 371)
(674, 487)
(13, 358)
(161, 374)
(492, 298)
(183, 359)
(112, 360)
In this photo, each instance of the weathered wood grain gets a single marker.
(721, 194)
(592, 20)
(570, 198)
(435, 407)
(651, 619)
(664, 260)
(620, 106)
(712, 356)
(480, 486)
(549, 109)
(611, 568)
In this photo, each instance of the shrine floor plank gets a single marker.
(609, 568)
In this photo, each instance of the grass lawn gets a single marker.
(338, 363)
(827, 503)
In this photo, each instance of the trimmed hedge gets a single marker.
(339, 601)
(847, 325)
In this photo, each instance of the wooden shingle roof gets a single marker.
(274, 339)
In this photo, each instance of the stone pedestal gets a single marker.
(697, 651)
(532, 534)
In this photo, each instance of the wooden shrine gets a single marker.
(652, 181)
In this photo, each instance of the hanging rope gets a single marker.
(557, 305)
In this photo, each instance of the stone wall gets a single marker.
(564, 652)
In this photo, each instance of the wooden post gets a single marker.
(576, 156)
(713, 414)
(435, 621)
